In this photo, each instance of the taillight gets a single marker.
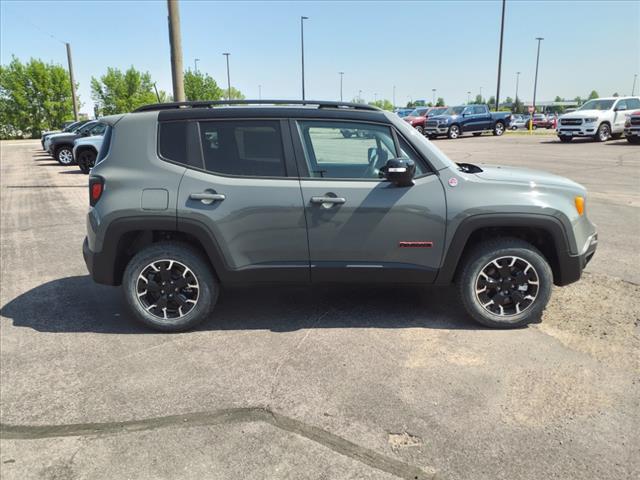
(96, 187)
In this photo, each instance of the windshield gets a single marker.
(437, 111)
(453, 111)
(418, 112)
(71, 127)
(597, 105)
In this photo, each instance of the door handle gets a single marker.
(334, 200)
(207, 198)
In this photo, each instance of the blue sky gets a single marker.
(416, 46)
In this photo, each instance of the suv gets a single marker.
(419, 116)
(476, 119)
(186, 198)
(60, 146)
(601, 119)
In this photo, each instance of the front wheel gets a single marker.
(603, 134)
(64, 155)
(454, 132)
(170, 287)
(505, 283)
(498, 130)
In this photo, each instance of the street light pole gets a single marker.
(468, 98)
(517, 82)
(481, 95)
(228, 77)
(535, 82)
(341, 75)
(73, 83)
(302, 19)
(504, 3)
(360, 96)
(433, 102)
(259, 92)
(195, 64)
(394, 96)
(633, 89)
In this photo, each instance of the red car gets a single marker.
(419, 116)
(540, 120)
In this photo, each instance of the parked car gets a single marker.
(541, 120)
(475, 119)
(187, 197)
(46, 141)
(85, 151)
(61, 145)
(67, 127)
(417, 118)
(632, 127)
(600, 119)
(520, 121)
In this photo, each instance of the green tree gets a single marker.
(508, 101)
(200, 86)
(34, 96)
(440, 102)
(593, 95)
(616, 94)
(578, 100)
(383, 104)
(491, 103)
(121, 92)
(518, 106)
(236, 94)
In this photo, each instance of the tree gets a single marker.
(440, 102)
(34, 96)
(491, 102)
(578, 100)
(615, 94)
(118, 92)
(593, 95)
(508, 101)
(200, 86)
(236, 94)
(518, 106)
(383, 104)
(479, 100)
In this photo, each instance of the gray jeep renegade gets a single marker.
(188, 197)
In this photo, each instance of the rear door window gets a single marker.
(251, 148)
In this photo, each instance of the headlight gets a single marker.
(590, 120)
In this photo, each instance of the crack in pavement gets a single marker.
(225, 416)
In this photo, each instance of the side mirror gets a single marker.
(399, 171)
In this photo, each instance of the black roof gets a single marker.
(214, 103)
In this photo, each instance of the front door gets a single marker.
(360, 227)
(247, 194)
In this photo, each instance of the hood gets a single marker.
(442, 117)
(61, 135)
(584, 113)
(496, 173)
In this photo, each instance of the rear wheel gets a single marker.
(454, 132)
(170, 287)
(564, 138)
(86, 160)
(64, 155)
(505, 283)
(498, 130)
(604, 133)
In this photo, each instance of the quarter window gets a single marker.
(173, 141)
(246, 148)
(346, 149)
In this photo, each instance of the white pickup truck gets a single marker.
(600, 119)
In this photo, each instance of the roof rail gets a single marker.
(213, 103)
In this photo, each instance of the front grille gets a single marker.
(635, 120)
(571, 121)
(432, 123)
(570, 130)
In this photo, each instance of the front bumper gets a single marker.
(585, 130)
(632, 132)
(571, 266)
(439, 130)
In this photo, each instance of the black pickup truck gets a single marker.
(467, 119)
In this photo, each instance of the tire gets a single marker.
(633, 140)
(64, 155)
(454, 132)
(498, 129)
(603, 134)
(420, 130)
(565, 139)
(204, 286)
(86, 160)
(477, 134)
(513, 127)
(503, 250)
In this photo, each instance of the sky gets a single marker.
(415, 46)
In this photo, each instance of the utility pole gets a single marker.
(504, 3)
(535, 83)
(341, 75)
(468, 98)
(481, 95)
(228, 77)
(195, 64)
(433, 102)
(155, 87)
(302, 19)
(73, 83)
(175, 41)
(517, 82)
(359, 96)
(633, 89)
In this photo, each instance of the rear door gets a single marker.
(243, 187)
(362, 228)
(482, 117)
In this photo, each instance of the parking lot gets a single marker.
(322, 383)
